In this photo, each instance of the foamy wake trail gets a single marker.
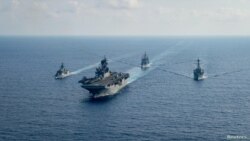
(137, 72)
(97, 63)
(226, 73)
(83, 69)
(205, 77)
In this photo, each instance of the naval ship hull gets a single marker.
(61, 76)
(144, 67)
(99, 91)
(198, 77)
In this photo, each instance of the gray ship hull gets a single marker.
(98, 91)
(198, 77)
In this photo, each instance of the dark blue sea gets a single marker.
(162, 103)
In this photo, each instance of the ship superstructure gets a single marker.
(198, 71)
(145, 61)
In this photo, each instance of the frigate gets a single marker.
(198, 71)
(145, 62)
(105, 82)
(62, 72)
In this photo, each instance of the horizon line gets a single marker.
(214, 35)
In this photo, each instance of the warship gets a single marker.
(144, 62)
(62, 72)
(105, 82)
(198, 72)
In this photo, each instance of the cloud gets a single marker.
(123, 4)
(105, 4)
(5, 5)
(231, 14)
(122, 16)
(218, 14)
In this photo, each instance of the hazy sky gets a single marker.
(124, 17)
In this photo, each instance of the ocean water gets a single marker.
(162, 103)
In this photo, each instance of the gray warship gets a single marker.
(105, 82)
(145, 62)
(198, 72)
(62, 72)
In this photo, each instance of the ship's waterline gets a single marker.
(112, 90)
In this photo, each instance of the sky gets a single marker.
(125, 17)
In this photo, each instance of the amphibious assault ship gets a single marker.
(144, 62)
(62, 72)
(105, 82)
(198, 72)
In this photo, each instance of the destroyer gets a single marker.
(62, 72)
(144, 62)
(198, 72)
(105, 82)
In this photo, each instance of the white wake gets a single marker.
(137, 72)
(97, 63)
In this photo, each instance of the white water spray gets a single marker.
(96, 64)
(137, 72)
